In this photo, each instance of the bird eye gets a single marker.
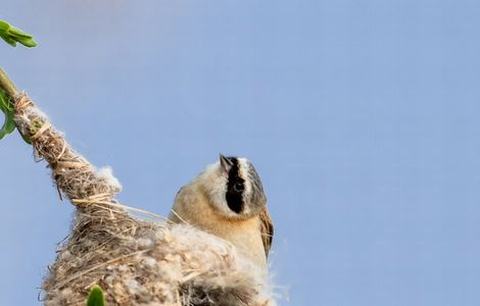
(238, 187)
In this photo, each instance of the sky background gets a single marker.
(362, 118)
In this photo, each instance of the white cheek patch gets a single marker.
(244, 169)
(217, 192)
(214, 181)
(215, 184)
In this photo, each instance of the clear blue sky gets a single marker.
(362, 118)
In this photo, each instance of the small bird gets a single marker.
(227, 200)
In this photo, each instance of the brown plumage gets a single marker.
(266, 230)
(227, 200)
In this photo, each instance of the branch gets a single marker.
(7, 85)
(11, 35)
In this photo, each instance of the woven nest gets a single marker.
(135, 262)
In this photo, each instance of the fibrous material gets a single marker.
(134, 261)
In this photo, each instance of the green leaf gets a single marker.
(9, 40)
(95, 298)
(8, 126)
(5, 103)
(12, 35)
(18, 33)
(4, 26)
(7, 108)
(28, 42)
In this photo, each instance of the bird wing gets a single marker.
(266, 230)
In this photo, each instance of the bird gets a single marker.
(227, 200)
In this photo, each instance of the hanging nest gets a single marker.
(134, 261)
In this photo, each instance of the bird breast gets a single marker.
(192, 207)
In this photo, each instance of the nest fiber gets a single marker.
(135, 262)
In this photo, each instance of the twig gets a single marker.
(7, 85)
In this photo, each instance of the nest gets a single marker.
(134, 261)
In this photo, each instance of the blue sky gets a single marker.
(362, 117)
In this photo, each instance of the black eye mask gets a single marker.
(235, 187)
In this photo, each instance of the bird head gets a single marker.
(233, 187)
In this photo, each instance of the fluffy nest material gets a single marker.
(135, 262)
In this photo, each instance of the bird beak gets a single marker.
(225, 163)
